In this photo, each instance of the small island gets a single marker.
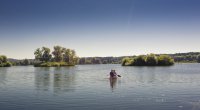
(4, 61)
(148, 60)
(59, 57)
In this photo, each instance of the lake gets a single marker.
(87, 87)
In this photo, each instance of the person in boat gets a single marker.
(113, 74)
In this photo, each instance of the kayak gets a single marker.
(115, 77)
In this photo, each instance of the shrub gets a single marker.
(151, 60)
(139, 61)
(165, 60)
(127, 61)
(148, 60)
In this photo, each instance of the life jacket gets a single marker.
(112, 74)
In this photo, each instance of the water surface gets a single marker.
(87, 87)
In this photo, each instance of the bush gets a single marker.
(151, 60)
(127, 61)
(165, 60)
(198, 59)
(148, 60)
(139, 61)
(7, 64)
(4, 61)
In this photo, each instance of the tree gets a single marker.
(66, 55)
(127, 61)
(165, 60)
(46, 56)
(198, 59)
(58, 53)
(82, 61)
(151, 60)
(4, 59)
(139, 60)
(1, 60)
(38, 54)
(26, 62)
(73, 57)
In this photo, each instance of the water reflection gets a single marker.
(58, 79)
(42, 78)
(64, 79)
(152, 74)
(113, 82)
(3, 72)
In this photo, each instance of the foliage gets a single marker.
(43, 54)
(58, 53)
(165, 60)
(4, 61)
(198, 59)
(148, 60)
(100, 60)
(127, 61)
(139, 60)
(151, 60)
(46, 56)
(38, 54)
(61, 57)
(191, 57)
(52, 64)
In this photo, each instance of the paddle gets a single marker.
(119, 75)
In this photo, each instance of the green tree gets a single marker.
(165, 60)
(1, 60)
(4, 59)
(26, 62)
(58, 53)
(198, 59)
(151, 60)
(73, 57)
(66, 55)
(46, 54)
(139, 60)
(127, 61)
(38, 54)
(82, 61)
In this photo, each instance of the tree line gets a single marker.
(60, 56)
(190, 57)
(4, 61)
(44, 54)
(100, 60)
(148, 60)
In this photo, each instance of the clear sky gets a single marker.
(99, 27)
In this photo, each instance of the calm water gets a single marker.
(87, 87)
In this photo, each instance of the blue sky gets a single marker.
(99, 27)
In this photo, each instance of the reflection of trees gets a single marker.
(152, 74)
(149, 74)
(3, 72)
(42, 78)
(59, 79)
(64, 79)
